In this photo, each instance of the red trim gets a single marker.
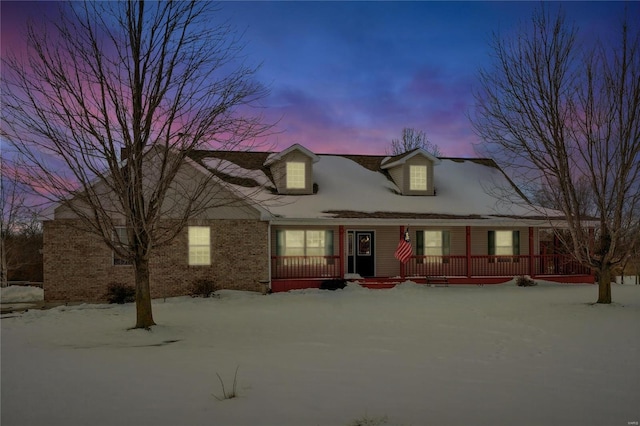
(330, 267)
(379, 286)
(468, 251)
(341, 245)
(282, 285)
(402, 270)
(569, 279)
(531, 262)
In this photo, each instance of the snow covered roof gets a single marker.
(400, 159)
(295, 147)
(356, 187)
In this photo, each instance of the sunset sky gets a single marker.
(346, 77)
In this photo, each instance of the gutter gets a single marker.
(485, 221)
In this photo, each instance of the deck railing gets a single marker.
(559, 264)
(451, 266)
(306, 267)
(420, 266)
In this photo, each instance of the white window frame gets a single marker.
(417, 178)
(315, 243)
(504, 242)
(296, 175)
(432, 245)
(199, 241)
(120, 237)
(305, 243)
(294, 243)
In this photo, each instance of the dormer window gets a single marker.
(296, 172)
(412, 172)
(418, 178)
(292, 170)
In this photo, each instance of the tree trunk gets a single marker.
(604, 285)
(144, 315)
(4, 274)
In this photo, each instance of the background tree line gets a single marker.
(20, 231)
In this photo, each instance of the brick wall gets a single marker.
(79, 266)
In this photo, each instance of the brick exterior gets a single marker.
(78, 266)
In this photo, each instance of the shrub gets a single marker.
(333, 284)
(525, 281)
(120, 293)
(203, 288)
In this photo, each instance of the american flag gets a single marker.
(404, 251)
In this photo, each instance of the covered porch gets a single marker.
(366, 255)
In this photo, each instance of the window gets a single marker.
(364, 244)
(294, 243)
(310, 243)
(315, 243)
(434, 244)
(504, 243)
(350, 244)
(121, 238)
(418, 178)
(199, 245)
(296, 175)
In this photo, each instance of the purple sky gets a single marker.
(346, 77)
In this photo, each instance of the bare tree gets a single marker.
(557, 115)
(154, 81)
(412, 139)
(14, 209)
(548, 197)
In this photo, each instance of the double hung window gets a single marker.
(505, 244)
(199, 245)
(312, 245)
(417, 178)
(434, 245)
(296, 172)
(121, 239)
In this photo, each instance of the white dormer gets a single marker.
(412, 171)
(292, 170)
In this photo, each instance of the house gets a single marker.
(304, 218)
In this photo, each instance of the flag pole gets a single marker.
(404, 252)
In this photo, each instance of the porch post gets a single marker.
(556, 259)
(532, 271)
(468, 252)
(592, 238)
(341, 248)
(402, 270)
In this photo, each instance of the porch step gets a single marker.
(438, 281)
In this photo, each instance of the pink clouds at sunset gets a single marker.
(346, 77)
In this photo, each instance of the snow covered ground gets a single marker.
(17, 298)
(21, 294)
(413, 355)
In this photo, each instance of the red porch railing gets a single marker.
(420, 266)
(451, 266)
(559, 264)
(306, 267)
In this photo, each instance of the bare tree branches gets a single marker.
(567, 120)
(154, 81)
(20, 230)
(412, 139)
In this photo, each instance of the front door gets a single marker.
(362, 253)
